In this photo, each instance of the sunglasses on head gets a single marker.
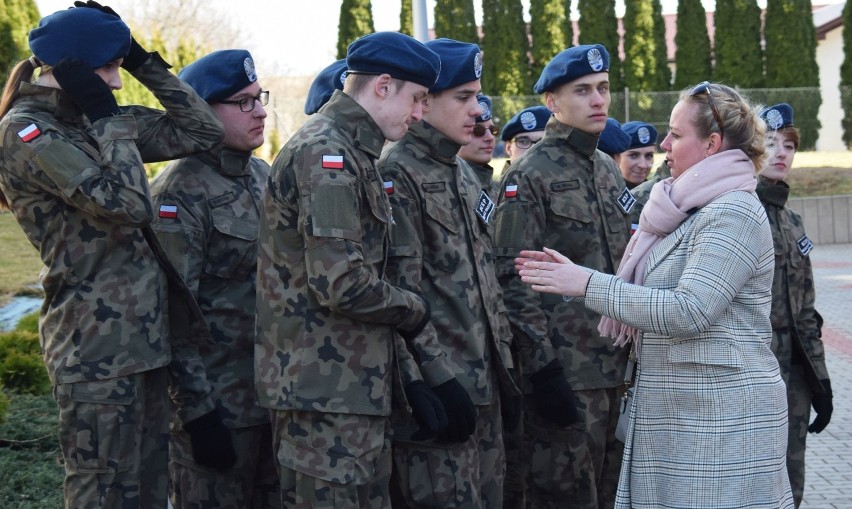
(702, 87)
(479, 130)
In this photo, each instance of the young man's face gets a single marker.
(522, 142)
(481, 146)
(582, 103)
(454, 111)
(400, 107)
(243, 129)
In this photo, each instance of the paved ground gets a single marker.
(828, 482)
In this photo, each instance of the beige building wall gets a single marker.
(829, 55)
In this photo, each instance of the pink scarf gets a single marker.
(669, 204)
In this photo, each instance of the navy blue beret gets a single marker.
(397, 54)
(778, 116)
(88, 34)
(527, 120)
(461, 62)
(327, 81)
(485, 105)
(220, 74)
(571, 64)
(613, 140)
(642, 134)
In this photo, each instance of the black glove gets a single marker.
(461, 414)
(211, 442)
(137, 55)
(553, 396)
(821, 402)
(87, 89)
(510, 408)
(413, 333)
(427, 409)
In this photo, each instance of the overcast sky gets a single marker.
(299, 37)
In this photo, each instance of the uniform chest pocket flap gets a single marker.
(232, 248)
(440, 213)
(568, 200)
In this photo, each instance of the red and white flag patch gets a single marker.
(168, 211)
(333, 162)
(29, 133)
(388, 186)
(511, 191)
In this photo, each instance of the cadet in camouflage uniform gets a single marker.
(441, 248)
(563, 192)
(325, 83)
(208, 208)
(795, 323)
(479, 151)
(328, 324)
(115, 312)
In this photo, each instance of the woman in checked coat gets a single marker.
(709, 415)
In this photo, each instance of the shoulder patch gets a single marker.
(332, 162)
(168, 211)
(388, 185)
(29, 133)
(805, 245)
(511, 191)
(626, 200)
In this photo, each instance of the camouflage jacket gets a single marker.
(643, 191)
(79, 192)
(441, 248)
(326, 318)
(207, 208)
(485, 174)
(566, 195)
(793, 292)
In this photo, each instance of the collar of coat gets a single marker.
(581, 141)
(773, 193)
(227, 161)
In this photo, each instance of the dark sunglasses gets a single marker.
(704, 86)
(479, 130)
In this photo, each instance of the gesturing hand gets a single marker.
(549, 271)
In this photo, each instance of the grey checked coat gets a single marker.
(709, 425)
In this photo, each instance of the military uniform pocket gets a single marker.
(232, 247)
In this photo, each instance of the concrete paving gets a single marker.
(828, 459)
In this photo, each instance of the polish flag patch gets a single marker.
(633, 228)
(168, 211)
(388, 184)
(332, 162)
(29, 133)
(511, 191)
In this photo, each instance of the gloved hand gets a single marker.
(510, 407)
(427, 409)
(87, 89)
(137, 55)
(823, 406)
(461, 414)
(211, 442)
(409, 335)
(553, 396)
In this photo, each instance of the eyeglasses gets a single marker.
(704, 86)
(479, 130)
(524, 142)
(247, 104)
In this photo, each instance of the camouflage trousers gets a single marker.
(580, 463)
(327, 460)
(434, 474)
(799, 404)
(515, 483)
(114, 439)
(252, 483)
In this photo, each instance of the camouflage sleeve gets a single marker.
(808, 327)
(405, 268)
(187, 126)
(520, 224)
(111, 186)
(408, 368)
(334, 258)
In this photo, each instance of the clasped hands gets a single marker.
(549, 271)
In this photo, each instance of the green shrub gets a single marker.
(21, 365)
(4, 405)
(28, 323)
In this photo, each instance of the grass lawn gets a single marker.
(19, 261)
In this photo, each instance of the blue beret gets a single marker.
(88, 34)
(461, 62)
(778, 116)
(642, 134)
(526, 121)
(571, 64)
(397, 54)
(485, 105)
(327, 81)
(220, 74)
(613, 140)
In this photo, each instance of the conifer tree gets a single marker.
(505, 64)
(454, 19)
(406, 18)
(693, 54)
(642, 71)
(846, 75)
(17, 18)
(661, 54)
(739, 57)
(550, 31)
(356, 20)
(598, 24)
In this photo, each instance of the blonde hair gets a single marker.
(741, 124)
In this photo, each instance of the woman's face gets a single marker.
(684, 148)
(781, 151)
(109, 73)
(636, 163)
